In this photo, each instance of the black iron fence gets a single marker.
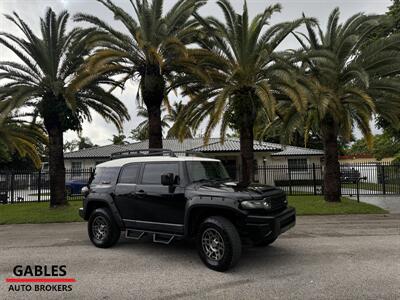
(368, 178)
(18, 186)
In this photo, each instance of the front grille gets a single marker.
(277, 202)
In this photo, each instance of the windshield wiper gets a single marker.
(201, 180)
(211, 179)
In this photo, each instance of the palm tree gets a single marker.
(141, 132)
(153, 50)
(119, 139)
(19, 136)
(185, 130)
(45, 82)
(246, 76)
(82, 142)
(350, 79)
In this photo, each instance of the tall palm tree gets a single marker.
(246, 75)
(45, 81)
(153, 50)
(350, 79)
(20, 136)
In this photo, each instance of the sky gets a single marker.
(98, 130)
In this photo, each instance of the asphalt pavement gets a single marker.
(323, 257)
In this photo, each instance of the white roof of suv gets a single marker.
(123, 161)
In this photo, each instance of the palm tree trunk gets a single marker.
(155, 129)
(246, 152)
(56, 167)
(152, 89)
(332, 189)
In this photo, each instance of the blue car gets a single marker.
(74, 187)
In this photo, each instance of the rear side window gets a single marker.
(129, 174)
(105, 175)
(152, 172)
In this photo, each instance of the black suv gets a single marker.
(182, 197)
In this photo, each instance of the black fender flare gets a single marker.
(107, 203)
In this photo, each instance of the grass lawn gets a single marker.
(36, 213)
(316, 205)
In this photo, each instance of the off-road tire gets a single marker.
(231, 243)
(111, 229)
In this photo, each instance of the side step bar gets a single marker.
(158, 237)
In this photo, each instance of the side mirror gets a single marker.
(167, 179)
(85, 191)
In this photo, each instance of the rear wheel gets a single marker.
(102, 228)
(218, 243)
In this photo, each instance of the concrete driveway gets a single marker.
(389, 202)
(324, 257)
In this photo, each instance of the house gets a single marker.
(363, 158)
(266, 154)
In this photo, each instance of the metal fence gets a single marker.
(368, 178)
(18, 186)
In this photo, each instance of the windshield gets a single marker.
(206, 170)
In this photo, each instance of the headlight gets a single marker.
(256, 204)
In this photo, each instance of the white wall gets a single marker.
(277, 169)
(86, 163)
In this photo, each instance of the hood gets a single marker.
(234, 190)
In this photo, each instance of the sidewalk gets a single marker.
(390, 203)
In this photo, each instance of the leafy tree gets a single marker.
(153, 50)
(19, 137)
(392, 26)
(384, 145)
(46, 83)
(348, 83)
(119, 139)
(246, 76)
(82, 142)
(70, 146)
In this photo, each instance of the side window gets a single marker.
(105, 175)
(129, 174)
(152, 172)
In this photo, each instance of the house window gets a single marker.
(298, 164)
(76, 167)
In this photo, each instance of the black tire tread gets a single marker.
(234, 238)
(115, 231)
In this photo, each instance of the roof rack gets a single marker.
(153, 152)
(188, 152)
(142, 152)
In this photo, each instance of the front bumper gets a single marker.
(82, 213)
(261, 227)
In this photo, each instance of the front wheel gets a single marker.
(102, 228)
(218, 243)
